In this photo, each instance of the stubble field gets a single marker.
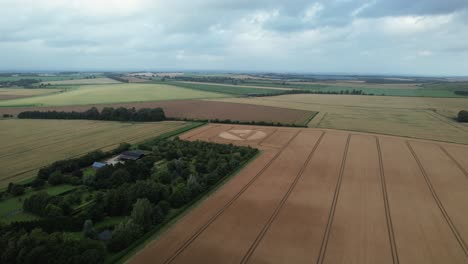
(417, 117)
(326, 196)
(27, 145)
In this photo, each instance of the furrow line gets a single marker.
(252, 248)
(391, 232)
(439, 203)
(221, 211)
(454, 161)
(326, 235)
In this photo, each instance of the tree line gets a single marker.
(296, 91)
(147, 192)
(107, 113)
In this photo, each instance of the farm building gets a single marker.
(131, 155)
(98, 165)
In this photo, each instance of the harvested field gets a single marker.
(417, 117)
(326, 196)
(28, 145)
(196, 109)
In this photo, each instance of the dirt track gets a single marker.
(326, 196)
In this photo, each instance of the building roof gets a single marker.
(98, 165)
(132, 155)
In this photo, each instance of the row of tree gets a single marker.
(341, 92)
(107, 113)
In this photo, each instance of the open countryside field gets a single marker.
(27, 145)
(13, 93)
(400, 116)
(113, 93)
(43, 78)
(327, 196)
(196, 109)
(82, 81)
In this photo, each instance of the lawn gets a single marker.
(11, 208)
(418, 117)
(28, 145)
(113, 93)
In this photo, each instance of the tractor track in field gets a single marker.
(438, 202)
(229, 203)
(326, 234)
(454, 161)
(391, 233)
(252, 248)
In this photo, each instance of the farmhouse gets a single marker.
(131, 155)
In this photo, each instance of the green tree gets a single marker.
(143, 213)
(56, 178)
(88, 229)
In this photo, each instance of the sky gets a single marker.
(409, 37)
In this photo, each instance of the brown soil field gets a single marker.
(195, 109)
(326, 196)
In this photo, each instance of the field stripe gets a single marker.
(326, 235)
(282, 202)
(213, 218)
(439, 203)
(454, 161)
(391, 233)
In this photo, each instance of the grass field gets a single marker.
(350, 198)
(235, 90)
(12, 93)
(401, 116)
(11, 208)
(82, 81)
(411, 90)
(28, 145)
(113, 93)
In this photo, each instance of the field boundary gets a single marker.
(229, 203)
(391, 233)
(457, 235)
(272, 218)
(326, 235)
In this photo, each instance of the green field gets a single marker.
(28, 145)
(411, 90)
(11, 208)
(113, 93)
(235, 90)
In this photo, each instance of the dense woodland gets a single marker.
(146, 192)
(107, 113)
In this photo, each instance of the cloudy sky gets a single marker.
(424, 37)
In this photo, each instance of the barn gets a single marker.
(131, 155)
